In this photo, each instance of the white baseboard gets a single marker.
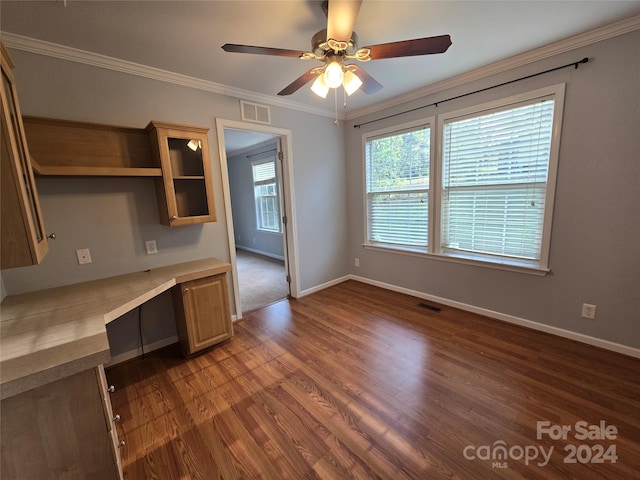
(317, 288)
(260, 252)
(579, 337)
(123, 357)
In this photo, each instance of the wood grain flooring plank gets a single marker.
(359, 382)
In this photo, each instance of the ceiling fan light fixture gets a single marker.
(319, 87)
(351, 82)
(333, 75)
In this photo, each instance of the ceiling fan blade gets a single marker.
(369, 84)
(279, 52)
(299, 82)
(341, 19)
(409, 48)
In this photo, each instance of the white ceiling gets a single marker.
(185, 36)
(237, 141)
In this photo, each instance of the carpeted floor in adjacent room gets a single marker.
(262, 280)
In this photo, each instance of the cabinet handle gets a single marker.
(116, 418)
(51, 236)
(121, 443)
(173, 217)
(111, 389)
(185, 290)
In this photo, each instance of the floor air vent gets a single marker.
(429, 307)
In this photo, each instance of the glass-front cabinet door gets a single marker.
(185, 192)
(24, 241)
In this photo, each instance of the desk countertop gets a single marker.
(50, 334)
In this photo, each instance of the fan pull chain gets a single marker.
(335, 97)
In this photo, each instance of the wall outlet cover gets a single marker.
(151, 247)
(84, 256)
(588, 311)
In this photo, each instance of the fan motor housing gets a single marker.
(320, 47)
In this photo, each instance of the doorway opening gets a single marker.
(257, 187)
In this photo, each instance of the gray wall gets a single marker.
(243, 204)
(114, 216)
(594, 254)
(596, 232)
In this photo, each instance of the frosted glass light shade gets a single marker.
(351, 82)
(333, 75)
(319, 87)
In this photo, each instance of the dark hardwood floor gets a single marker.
(359, 382)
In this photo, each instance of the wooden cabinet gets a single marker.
(203, 317)
(63, 429)
(185, 193)
(24, 241)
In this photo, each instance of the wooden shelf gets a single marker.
(96, 171)
(69, 148)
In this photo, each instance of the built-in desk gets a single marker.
(50, 334)
(56, 413)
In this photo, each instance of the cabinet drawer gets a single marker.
(109, 417)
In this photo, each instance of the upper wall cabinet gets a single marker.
(24, 241)
(185, 193)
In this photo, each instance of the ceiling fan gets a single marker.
(338, 44)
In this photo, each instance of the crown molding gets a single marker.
(568, 44)
(41, 47)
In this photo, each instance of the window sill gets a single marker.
(495, 265)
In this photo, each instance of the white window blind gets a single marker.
(397, 186)
(495, 170)
(266, 196)
(264, 172)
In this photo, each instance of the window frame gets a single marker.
(428, 122)
(257, 198)
(435, 249)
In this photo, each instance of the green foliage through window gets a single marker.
(398, 187)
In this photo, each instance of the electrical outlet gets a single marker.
(84, 256)
(588, 311)
(151, 247)
(356, 262)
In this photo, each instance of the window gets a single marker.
(495, 181)
(265, 190)
(398, 187)
(493, 196)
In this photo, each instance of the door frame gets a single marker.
(290, 236)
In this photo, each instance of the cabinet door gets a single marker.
(57, 431)
(23, 235)
(186, 189)
(202, 313)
